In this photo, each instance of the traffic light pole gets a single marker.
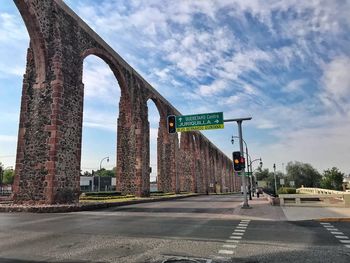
(244, 181)
(240, 135)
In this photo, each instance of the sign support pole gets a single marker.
(244, 179)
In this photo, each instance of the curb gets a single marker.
(333, 219)
(83, 207)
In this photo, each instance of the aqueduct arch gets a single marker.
(49, 141)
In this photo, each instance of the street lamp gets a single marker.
(251, 169)
(99, 176)
(102, 161)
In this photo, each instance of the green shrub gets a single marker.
(103, 194)
(161, 193)
(287, 190)
(99, 198)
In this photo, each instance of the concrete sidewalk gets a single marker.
(262, 210)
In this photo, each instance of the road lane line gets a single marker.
(337, 233)
(235, 237)
(226, 252)
(342, 237)
(232, 241)
(230, 246)
(329, 227)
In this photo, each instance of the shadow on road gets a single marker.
(174, 210)
(14, 260)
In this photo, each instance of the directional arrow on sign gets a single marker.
(217, 121)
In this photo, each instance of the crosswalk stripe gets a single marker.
(229, 246)
(227, 252)
(345, 241)
(337, 233)
(232, 241)
(342, 237)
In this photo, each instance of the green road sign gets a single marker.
(207, 121)
(247, 174)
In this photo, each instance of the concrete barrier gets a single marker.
(337, 200)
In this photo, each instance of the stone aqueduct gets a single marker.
(50, 130)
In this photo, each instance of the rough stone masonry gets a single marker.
(50, 130)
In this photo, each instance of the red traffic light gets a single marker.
(171, 124)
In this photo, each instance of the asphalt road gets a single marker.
(200, 228)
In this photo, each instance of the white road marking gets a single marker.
(232, 241)
(325, 223)
(345, 241)
(328, 227)
(332, 229)
(348, 246)
(342, 237)
(337, 233)
(235, 237)
(227, 252)
(230, 246)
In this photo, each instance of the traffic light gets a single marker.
(237, 161)
(171, 124)
(242, 163)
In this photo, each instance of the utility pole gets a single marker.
(274, 174)
(240, 135)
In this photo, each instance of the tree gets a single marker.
(303, 174)
(269, 178)
(1, 172)
(332, 179)
(8, 176)
(104, 172)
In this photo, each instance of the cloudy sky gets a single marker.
(284, 63)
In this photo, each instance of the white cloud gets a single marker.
(212, 89)
(100, 119)
(232, 100)
(12, 29)
(99, 81)
(294, 86)
(336, 78)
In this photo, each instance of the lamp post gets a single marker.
(102, 161)
(251, 169)
(99, 176)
